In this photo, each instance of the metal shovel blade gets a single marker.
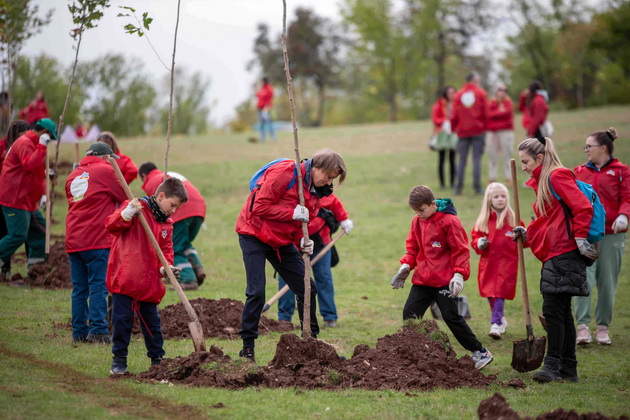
(528, 355)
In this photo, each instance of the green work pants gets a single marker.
(24, 227)
(184, 233)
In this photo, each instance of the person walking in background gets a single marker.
(127, 167)
(611, 179)
(500, 135)
(469, 120)
(533, 104)
(264, 104)
(564, 254)
(498, 262)
(442, 114)
(36, 110)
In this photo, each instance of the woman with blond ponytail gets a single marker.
(564, 252)
(611, 179)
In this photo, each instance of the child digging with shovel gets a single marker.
(134, 270)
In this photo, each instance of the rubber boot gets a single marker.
(550, 372)
(568, 371)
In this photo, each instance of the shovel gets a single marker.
(196, 332)
(527, 355)
(285, 289)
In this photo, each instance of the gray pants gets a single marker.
(464, 143)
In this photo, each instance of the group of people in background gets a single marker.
(466, 119)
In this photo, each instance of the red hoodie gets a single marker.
(470, 111)
(195, 206)
(612, 183)
(93, 193)
(547, 236)
(535, 114)
(501, 119)
(265, 97)
(127, 167)
(440, 113)
(35, 111)
(3, 151)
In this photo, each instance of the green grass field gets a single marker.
(43, 375)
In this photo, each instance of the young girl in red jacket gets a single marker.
(498, 264)
(564, 254)
(134, 271)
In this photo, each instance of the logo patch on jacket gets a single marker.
(164, 233)
(79, 186)
(610, 172)
(436, 244)
(509, 234)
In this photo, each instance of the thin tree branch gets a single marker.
(170, 104)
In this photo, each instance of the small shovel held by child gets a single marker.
(196, 331)
(528, 354)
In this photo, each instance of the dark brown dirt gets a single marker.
(496, 407)
(219, 318)
(53, 274)
(418, 357)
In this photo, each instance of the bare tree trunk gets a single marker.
(170, 104)
(321, 90)
(440, 59)
(306, 328)
(393, 107)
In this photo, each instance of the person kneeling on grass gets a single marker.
(437, 248)
(134, 271)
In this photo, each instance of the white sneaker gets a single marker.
(602, 336)
(495, 331)
(504, 325)
(482, 358)
(583, 335)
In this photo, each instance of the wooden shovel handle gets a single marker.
(521, 257)
(48, 204)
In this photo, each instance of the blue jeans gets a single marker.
(88, 270)
(122, 319)
(325, 292)
(266, 124)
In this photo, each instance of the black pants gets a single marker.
(560, 328)
(288, 262)
(419, 300)
(122, 320)
(451, 159)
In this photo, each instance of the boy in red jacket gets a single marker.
(186, 224)
(93, 193)
(437, 248)
(134, 270)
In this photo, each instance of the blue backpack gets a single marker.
(597, 228)
(253, 182)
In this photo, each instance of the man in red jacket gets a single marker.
(500, 136)
(437, 251)
(186, 224)
(134, 271)
(264, 104)
(469, 121)
(21, 182)
(93, 193)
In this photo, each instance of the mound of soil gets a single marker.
(418, 357)
(496, 407)
(53, 274)
(219, 318)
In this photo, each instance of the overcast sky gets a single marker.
(215, 37)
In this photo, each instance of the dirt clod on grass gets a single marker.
(418, 357)
(496, 407)
(53, 274)
(219, 318)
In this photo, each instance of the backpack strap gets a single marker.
(291, 184)
(567, 211)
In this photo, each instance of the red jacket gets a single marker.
(195, 206)
(127, 167)
(548, 236)
(318, 225)
(437, 248)
(522, 106)
(612, 183)
(23, 173)
(93, 193)
(500, 119)
(133, 268)
(265, 97)
(35, 111)
(440, 113)
(470, 111)
(3, 151)
(535, 114)
(498, 264)
(268, 212)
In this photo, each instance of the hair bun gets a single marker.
(612, 133)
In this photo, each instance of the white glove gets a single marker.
(44, 139)
(347, 226)
(398, 281)
(307, 247)
(446, 126)
(133, 208)
(620, 224)
(482, 243)
(456, 285)
(586, 249)
(300, 213)
(42, 202)
(75, 165)
(174, 269)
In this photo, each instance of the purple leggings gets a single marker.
(496, 306)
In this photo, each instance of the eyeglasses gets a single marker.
(588, 146)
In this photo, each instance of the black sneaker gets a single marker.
(156, 361)
(248, 353)
(77, 340)
(99, 338)
(119, 366)
(547, 374)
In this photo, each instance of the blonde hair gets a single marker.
(534, 147)
(481, 224)
(330, 162)
(109, 139)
